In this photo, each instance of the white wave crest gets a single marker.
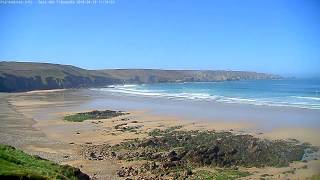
(135, 90)
(307, 98)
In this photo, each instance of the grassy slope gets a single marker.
(16, 163)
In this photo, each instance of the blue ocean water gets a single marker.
(292, 93)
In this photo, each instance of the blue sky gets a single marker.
(275, 36)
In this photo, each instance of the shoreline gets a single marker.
(44, 91)
(263, 117)
(56, 104)
(84, 100)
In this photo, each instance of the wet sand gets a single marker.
(33, 122)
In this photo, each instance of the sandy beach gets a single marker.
(34, 122)
(159, 90)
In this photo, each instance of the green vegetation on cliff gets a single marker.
(15, 164)
(26, 76)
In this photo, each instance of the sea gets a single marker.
(298, 93)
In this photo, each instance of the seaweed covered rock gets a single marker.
(224, 148)
(95, 114)
(171, 152)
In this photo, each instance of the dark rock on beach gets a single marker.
(173, 152)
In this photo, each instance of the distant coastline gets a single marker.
(29, 76)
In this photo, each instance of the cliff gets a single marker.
(23, 76)
(26, 76)
(156, 75)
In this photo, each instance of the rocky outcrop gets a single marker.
(171, 153)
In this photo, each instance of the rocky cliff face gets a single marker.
(158, 76)
(16, 77)
(25, 76)
(12, 83)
